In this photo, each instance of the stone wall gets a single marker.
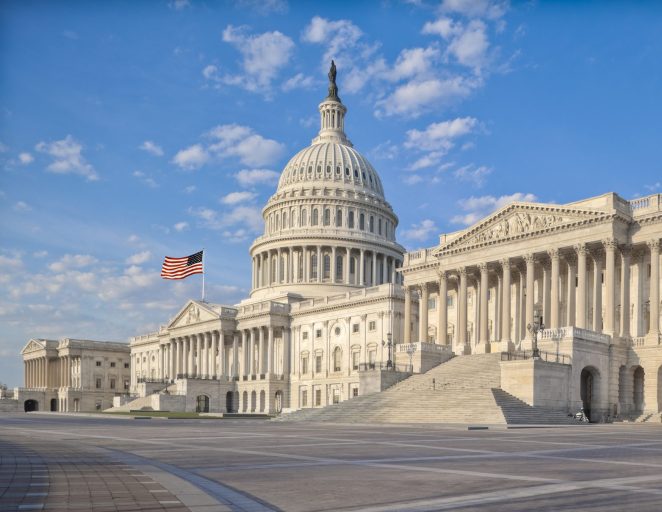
(537, 382)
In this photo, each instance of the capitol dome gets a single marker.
(328, 227)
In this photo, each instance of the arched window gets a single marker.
(338, 218)
(352, 265)
(350, 220)
(379, 226)
(313, 266)
(362, 221)
(277, 222)
(338, 267)
(372, 224)
(304, 218)
(327, 217)
(337, 359)
(313, 217)
(327, 267)
(285, 220)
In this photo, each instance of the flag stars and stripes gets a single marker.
(179, 268)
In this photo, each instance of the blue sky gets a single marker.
(132, 130)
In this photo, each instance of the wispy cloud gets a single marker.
(152, 148)
(67, 155)
(477, 207)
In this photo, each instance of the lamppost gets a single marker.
(534, 329)
(411, 349)
(165, 391)
(389, 344)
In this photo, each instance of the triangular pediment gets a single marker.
(194, 312)
(33, 345)
(521, 220)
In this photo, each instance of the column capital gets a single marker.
(598, 255)
(442, 275)
(609, 244)
(553, 253)
(529, 259)
(570, 258)
(482, 267)
(462, 271)
(654, 244)
(423, 287)
(626, 250)
(581, 249)
(505, 262)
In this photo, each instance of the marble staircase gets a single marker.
(464, 390)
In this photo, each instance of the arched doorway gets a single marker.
(638, 377)
(262, 397)
(31, 405)
(244, 401)
(53, 404)
(589, 390)
(253, 400)
(229, 402)
(279, 401)
(202, 403)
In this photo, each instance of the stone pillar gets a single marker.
(407, 334)
(506, 343)
(348, 256)
(209, 350)
(654, 330)
(462, 305)
(571, 259)
(220, 368)
(374, 269)
(530, 296)
(244, 368)
(442, 309)
(384, 269)
(270, 351)
(198, 355)
(287, 350)
(625, 291)
(334, 264)
(484, 335)
(213, 356)
(546, 292)
(235, 355)
(320, 264)
(610, 248)
(173, 358)
(597, 290)
(580, 319)
(362, 268)
(423, 313)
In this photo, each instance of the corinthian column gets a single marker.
(610, 248)
(625, 291)
(654, 330)
(580, 320)
(484, 335)
(571, 260)
(506, 344)
(423, 314)
(597, 289)
(442, 310)
(407, 334)
(530, 276)
(462, 304)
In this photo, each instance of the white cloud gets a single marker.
(67, 158)
(190, 189)
(25, 158)
(412, 179)
(152, 147)
(298, 81)
(263, 7)
(481, 206)
(420, 232)
(248, 218)
(238, 197)
(180, 226)
(470, 47)
(476, 8)
(146, 180)
(251, 177)
(413, 62)
(338, 36)
(414, 97)
(71, 261)
(264, 55)
(429, 160)
(438, 135)
(139, 258)
(210, 72)
(191, 157)
(3, 148)
(233, 140)
(133, 239)
(13, 262)
(473, 174)
(178, 5)
(40, 254)
(22, 206)
(654, 187)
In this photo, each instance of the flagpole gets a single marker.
(203, 274)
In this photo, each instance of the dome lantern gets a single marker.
(332, 115)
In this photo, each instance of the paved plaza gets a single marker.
(64, 462)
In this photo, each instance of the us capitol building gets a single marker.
(338, 310)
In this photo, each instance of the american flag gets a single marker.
(179, 268)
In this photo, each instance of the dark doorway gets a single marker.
(638, 389)
(202, 403)
(229, 402)
(53, 404)
(587, 391)
(31, 405)
(279, 401)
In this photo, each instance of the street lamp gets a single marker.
(534, 328)
(389, 344)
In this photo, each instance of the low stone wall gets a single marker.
(375, 381)
(10, 405)
(537, 382)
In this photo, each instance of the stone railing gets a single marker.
(573, 332)
(422, 347)
(644, 205)
(387, 288)
(264, 307)
(322, 232)
(420, 256)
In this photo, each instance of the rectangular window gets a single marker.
(355, 360)
(112, 383)
(304, 364)
(112, 365)
(126, 384)
(98, 363)
(372, 325)
(318, 397)
(304, 335)
(355, 328)
(318, 364)
(355, 392)
(350, 220)
(449, 301)
(318, 333)
(98, 383)
(304, 398)
(379, 226)
(126, 365)
(432, 303)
